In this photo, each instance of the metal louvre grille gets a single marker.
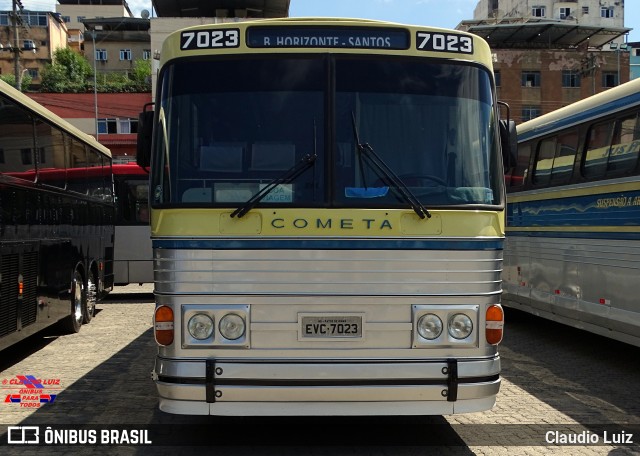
(29, 296)
(9, 294)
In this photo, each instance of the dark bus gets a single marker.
(56, 220)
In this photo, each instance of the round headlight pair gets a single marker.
(430, 326)
(231, 326)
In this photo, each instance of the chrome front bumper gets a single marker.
(326, 387)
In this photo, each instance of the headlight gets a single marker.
(430, 326)
(460, 326)
(232, 326)
(200, 326)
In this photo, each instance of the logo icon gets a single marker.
(23, 435)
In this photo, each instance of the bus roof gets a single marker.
(40, 110)
(409, 40)
(604, 103)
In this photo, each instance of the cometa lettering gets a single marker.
(328, 224)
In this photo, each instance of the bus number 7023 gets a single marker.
(444, 42)
(210, 39)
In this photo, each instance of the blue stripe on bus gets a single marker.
(328, 244)
(610, 209)
(580, 117)
(609, 235)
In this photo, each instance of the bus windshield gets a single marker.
(249, 120)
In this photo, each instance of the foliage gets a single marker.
(141, 73)
(72, 73)
(11, 80)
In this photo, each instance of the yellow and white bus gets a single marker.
(327, 218)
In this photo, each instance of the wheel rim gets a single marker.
(77, 298)
(91, 296)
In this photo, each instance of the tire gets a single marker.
(77, 298)
(89, 305)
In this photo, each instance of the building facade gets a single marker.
(114, 44)
(607, 13)
(75, 12)
(634, 59)
(40, 34)
(549, 53)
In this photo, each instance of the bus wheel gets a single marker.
(89, 307)
(73, 322)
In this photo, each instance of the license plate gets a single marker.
(331, 326)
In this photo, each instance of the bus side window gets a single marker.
(16, 141)
(625, 145)
(565, 157)
(51, 160)
(544, 161)
(597, 150)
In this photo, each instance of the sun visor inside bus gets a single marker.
(272, 156)
(222, 157)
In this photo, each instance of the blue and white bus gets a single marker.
(573, 216)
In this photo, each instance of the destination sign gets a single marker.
(327, 37)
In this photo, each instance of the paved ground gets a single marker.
(555, 379)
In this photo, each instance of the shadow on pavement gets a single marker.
(590, 378)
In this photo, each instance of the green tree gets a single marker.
(11, 79)
(141, 72)
(69, 72)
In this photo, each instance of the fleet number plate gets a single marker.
(331, 327)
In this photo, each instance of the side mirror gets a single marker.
(145, 136)
(509, 140)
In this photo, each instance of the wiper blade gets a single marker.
(288, 176)
(387, 174)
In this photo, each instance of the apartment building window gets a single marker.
(606, 11)
(530, 79)
(530, 112)
(81, 18)
(538, 11)
(30, 18)
(146, 54)
(117, 126)
(609, 79)
(570, 78)
(128, 126)
(33, 72)
(125, 54)
(565, 13)
(496, 74)
(35, 18)
(66, 19)
(585, 10)
(101, 55)
(107, 126)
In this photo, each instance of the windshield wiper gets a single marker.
(386, 174)
(288, 176)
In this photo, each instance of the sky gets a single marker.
(438, 13)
